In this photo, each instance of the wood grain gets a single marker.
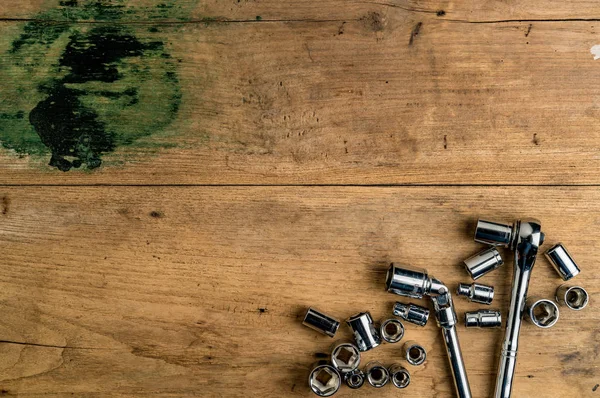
(364, 100)
(133, 291)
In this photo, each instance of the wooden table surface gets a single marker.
(180, 180)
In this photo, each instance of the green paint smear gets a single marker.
(141, 100)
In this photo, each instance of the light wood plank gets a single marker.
(159, 291)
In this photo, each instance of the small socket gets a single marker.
(542, 313)
(345, 357)
(476, 292)
(399, 376)
(320, 322)
(574, 297)
(483, 262)
(377, 374)
(412, 313)
(324, 380)
(391, 330)
(562, 261)
(483, 319)
(355, 379)
(415, 353)
(365, 333)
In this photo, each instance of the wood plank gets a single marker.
(362, 102)
(308, 9)
(138, 291)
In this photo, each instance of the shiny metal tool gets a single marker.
(524, 238)
(416, 283)
(355, 379)
(483, 262)
(365, 333)
(324, 380)
(399, 376)
(562, 261)
(542, 313)
(377, 374)
(391, 330)
(412, 313)
(320, 322)
(345, 357)
(476, 292)
(483, 319)
(415, 354)
(574, 297)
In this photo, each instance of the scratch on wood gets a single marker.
(414, 33)
(528, 30)
(535, 140)
(445, 142)
(5, 205)
(595, 387)
(309, 53)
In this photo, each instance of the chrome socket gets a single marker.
(377, 374)
(355, 379)
(345, 357)
(399, 376)
(483, 319)
(415, 353)
(574, 297)
(483, 262)
(365, 333)
(320, 322)
(542, 313)
(476, 292)
(494, 234)
(562, 261)
(391, 330)
(324, 380)
(412, 313)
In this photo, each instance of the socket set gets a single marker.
(524, 238)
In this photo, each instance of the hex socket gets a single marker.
(345, 357)
(574, 297)
(355, 379)
(366, 334)
(542, 313)
(407, 281)
(391, 330)
(412, 313)
(399, 376)
(415, 353)
(562, 261)
(494, 234)
(476, 292)
(483, 262)
(377, 375)
(483, 319)
(321, 322)
(324, 380)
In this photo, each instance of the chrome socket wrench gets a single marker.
(412, 313)
(476, 292)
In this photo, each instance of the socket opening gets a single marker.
(576, 298)
(392, 330)
(544, 313)
(378, 376)
(401, 379)
(355, 379)
(345, 357)
(324, 381)
(415, 355)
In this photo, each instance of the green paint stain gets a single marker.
(79, 91)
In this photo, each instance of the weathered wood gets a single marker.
(475, 11)
(387, 97)
(199, 291)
